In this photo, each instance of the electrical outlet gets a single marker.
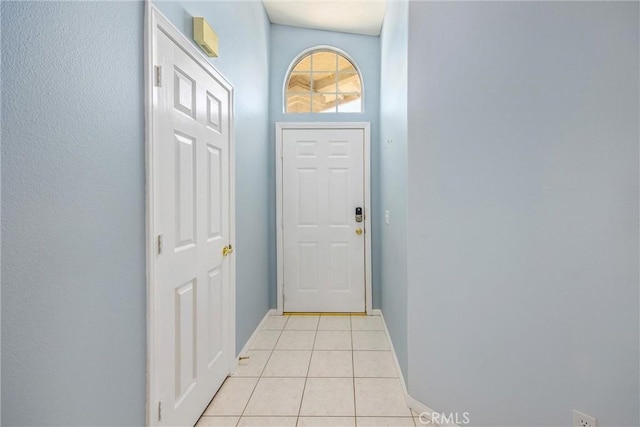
(583, 420)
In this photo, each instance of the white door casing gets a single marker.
(322, 176)
(191, 285)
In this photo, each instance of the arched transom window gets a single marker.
(323, 81)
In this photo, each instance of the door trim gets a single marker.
(366, 127)
(156, 22)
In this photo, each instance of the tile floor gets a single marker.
(314, 371)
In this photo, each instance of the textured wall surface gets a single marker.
(0, 226)
(523, 210)
(286, 44)
(74, 328)
(73, 264)
(243, 31)
(393, 174)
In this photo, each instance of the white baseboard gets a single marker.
(412, 403)
(426, 414)
(246, 347)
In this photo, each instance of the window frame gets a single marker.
(308, 52)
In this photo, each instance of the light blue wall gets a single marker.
(393, 174)
(0, 226)
(243, 32)
(73, 264)
(286, 44)
(523, 210)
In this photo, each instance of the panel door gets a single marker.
(192, 217)
(323, 184)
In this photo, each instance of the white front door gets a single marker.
(323, 242)
(191, 217)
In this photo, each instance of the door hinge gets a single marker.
(160, 410)
(160, 243)
(158, 76)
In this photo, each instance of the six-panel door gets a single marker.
(192, 217)
(323, 184)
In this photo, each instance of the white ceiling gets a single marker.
(347, 16)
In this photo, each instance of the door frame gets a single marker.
(280, 128)
(156, 22)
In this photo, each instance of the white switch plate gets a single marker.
(386, 217)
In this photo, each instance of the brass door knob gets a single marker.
(358, 231)
(227, 250)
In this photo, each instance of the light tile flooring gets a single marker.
(314, 371)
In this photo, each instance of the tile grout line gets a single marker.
(261, 372)
(307, 376)
(353, 372)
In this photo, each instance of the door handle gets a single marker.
(358, 231)
(227, 250)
